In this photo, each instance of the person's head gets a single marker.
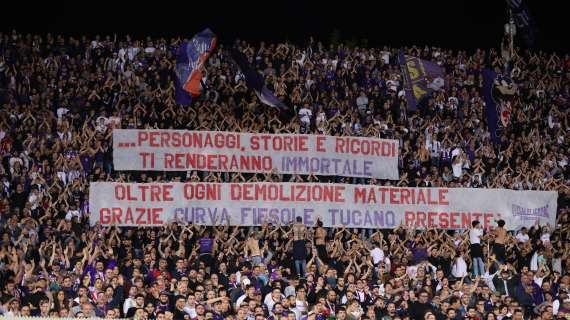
(451, 313)
(475, 224)
(429, 316)
(139, 313)
(300, 291)
(110, 314)
(331, 296)
(149, 308)
(180, 302)
(391, 308)
(501, 223)
(455, 302)
(518, 314)
(423, 296)
(471, 312)
(299, 219)
(341, 313)
(44, 307)
(139, 299)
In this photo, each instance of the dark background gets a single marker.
(450, 24)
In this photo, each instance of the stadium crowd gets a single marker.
(61, 97)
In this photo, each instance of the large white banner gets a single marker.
(181, 150)
(355, 206)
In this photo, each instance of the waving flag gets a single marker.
(180, 95)
(255, 82)
(523, 20)
(499, 93)
(189, 62)
(421, 77)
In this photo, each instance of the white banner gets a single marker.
(354, 206)
(180, 150)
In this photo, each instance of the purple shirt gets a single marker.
(206, 245)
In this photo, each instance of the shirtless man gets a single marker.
(299, 249)
(500, 239)
(251, 248)
(320, 237)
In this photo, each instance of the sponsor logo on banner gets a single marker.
(528, 213)
(354, 206)
(180, 150)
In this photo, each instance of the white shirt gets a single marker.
(475, 236)
(538, 280)
(377, 255)
(61, 111)
(362, 101)
(522, 237)
(240, 300)
(459, 269)
(191, 311)
(268, 301)
(72, 213)
(300, 308)
(305, 115)
(457, 169)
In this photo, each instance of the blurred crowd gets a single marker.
(61, 97)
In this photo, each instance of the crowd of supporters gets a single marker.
(61, 97)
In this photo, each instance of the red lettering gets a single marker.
(452, 220)
(168, 158)
(340, 146)
(155, 216)
(320, 143)
(338, 192)
(360, 195)
(476, 216)
(465, 220)
(431, 215)
(386, 149)
(130, 197)
(409, 218)
(154, 136)
(443, 220)
(254, 143)
(119, 192)
(165, 139)
(142, 137)
(393, 199)
(303, 143)
(235, 191)
(140, 215)
(167, 192)
(155, 193)
(404, 196)
(117, 215)
(443, 196)
(487, 219)
(104, 216)
(420, 219)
